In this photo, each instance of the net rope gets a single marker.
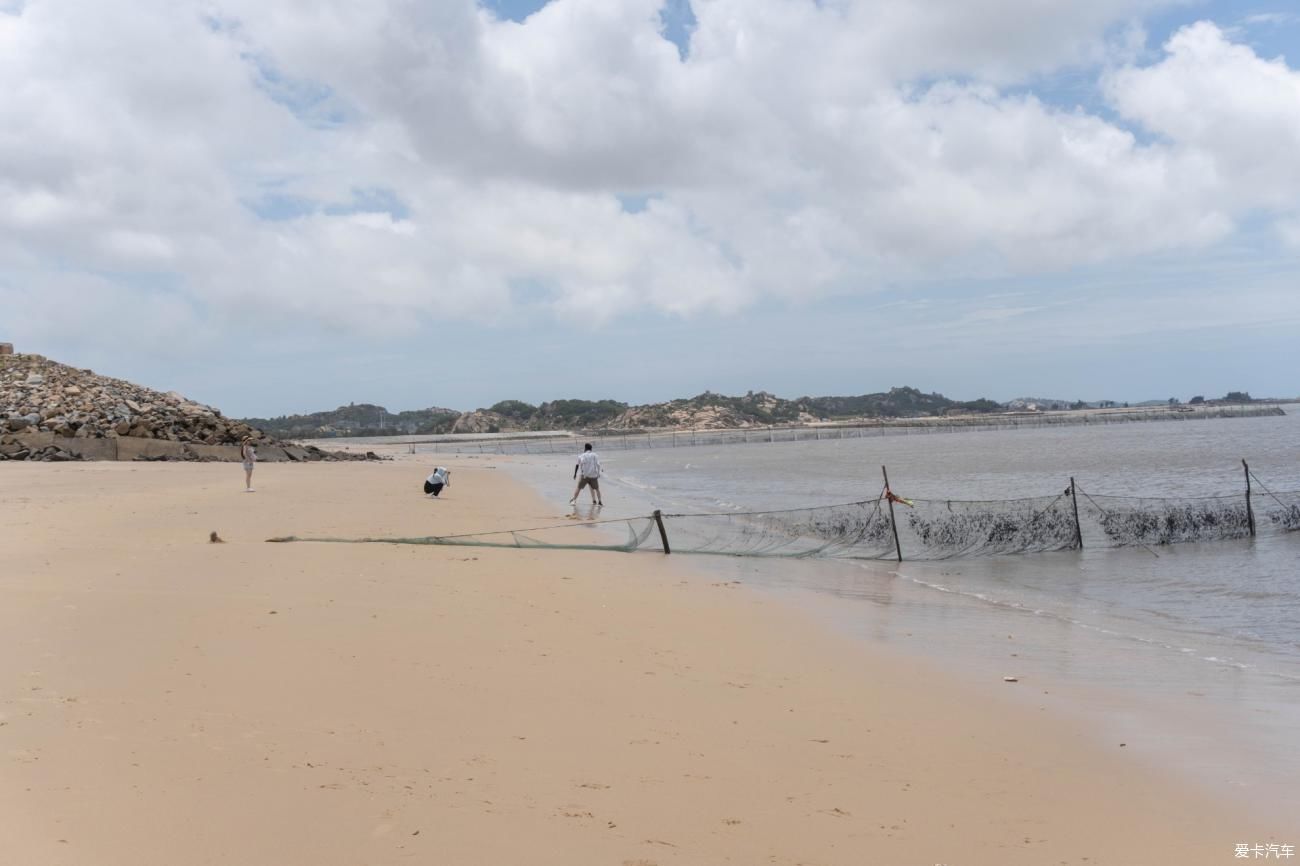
(565, 536)
(1282, 510)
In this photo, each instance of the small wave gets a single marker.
(1109, 632)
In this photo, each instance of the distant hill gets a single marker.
(357, 419)
(704, 411)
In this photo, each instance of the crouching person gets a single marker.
(440, 478)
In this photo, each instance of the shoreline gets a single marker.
(545, 442)
(1219, 714)
(504, 705)
(1227, 707)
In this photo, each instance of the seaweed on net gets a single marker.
(1170, 521)
(986, 528)
(1286, 519)
(848, 525)
(1278, 512)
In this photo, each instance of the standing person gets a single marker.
(440, 478)
(248, 453)
(587, 471)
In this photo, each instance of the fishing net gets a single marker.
(1130, 520)
(942, 529)
(1276, 512)
(922, 529)
(857, 530)
(625, 535)
(1127, 520)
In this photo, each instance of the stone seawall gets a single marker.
(50, 411)
(52, 447)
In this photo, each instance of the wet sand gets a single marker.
(166, 700)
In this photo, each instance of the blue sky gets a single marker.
(457, 204)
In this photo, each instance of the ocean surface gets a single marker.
(1189, 652)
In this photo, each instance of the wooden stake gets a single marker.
(893, 524)
(1250, 510)
(663, 533)
(1078, 530)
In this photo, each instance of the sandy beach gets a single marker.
(167, 700)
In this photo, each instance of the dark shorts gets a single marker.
(584, 481)
(435, 489)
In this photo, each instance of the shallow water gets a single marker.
(1238, 591)
(1197, 645)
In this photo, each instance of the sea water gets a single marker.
(1192, 648)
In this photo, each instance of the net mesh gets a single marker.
(855, 530)
(924, 529)
(624, 535)
(1276, 512)
(1125, 521)
(944, 529)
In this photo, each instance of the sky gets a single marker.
(284, 207)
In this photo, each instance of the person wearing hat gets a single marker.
(248, 453)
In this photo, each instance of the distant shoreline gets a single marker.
(524, 441)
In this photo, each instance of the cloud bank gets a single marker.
(373, 168)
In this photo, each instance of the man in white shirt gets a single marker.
(440, 478)
(587, 471)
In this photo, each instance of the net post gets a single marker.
(893, 524)
(1250, 510)
(663, 533)
(1078, 529)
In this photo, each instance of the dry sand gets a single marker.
(165, 700)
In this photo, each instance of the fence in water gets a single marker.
(630, 441)
(893, 527)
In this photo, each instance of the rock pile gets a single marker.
(50, 411)
(687, 415)
(483, 421)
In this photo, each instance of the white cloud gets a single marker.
(1219, 101)
(800, 148)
